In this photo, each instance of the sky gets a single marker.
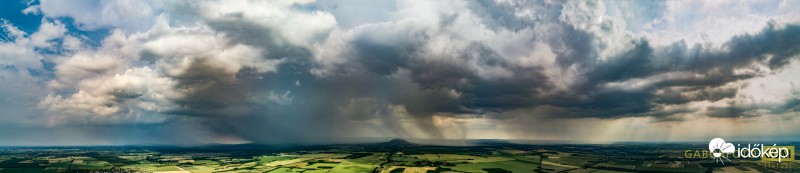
(185, 72)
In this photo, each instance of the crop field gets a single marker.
(390, 157)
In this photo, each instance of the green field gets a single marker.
(513, 166)
(370, 158)
(345, 167)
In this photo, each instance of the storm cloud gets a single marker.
(322, 71)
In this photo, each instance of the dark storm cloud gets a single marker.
(708, 69)
(679, 96)
(792, 105)
(215, 93)
(701, 71)
(319, 76)
(319, 105)
(210, 92)
(399, 72)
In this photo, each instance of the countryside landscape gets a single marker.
(399, 86)
(395, 156)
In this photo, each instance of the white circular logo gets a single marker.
(717, 147)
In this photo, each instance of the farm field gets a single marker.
(396, 156)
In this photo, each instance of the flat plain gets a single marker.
(395, 156)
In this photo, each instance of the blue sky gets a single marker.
(328, 71)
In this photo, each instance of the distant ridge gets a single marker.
(397, 142)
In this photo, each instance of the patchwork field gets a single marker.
(391, 157)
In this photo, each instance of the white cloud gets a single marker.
(19, 48)
(117, 99)
(714, 22)
(33, 9)
(301, 28)
(134, 77)
(132, 15)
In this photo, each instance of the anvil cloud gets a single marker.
(331, 71)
